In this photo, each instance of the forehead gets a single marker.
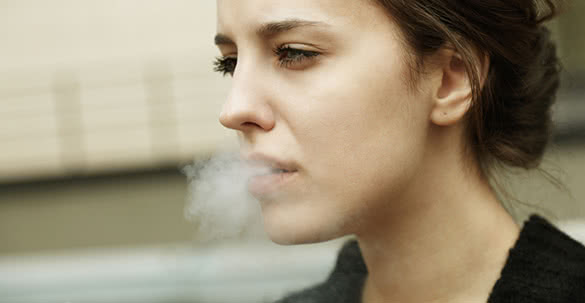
(247, 14)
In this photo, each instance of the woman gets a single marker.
(384, 119)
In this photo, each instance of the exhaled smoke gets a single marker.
(219, 202)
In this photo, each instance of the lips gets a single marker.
(273, 176)
(274, 164)
(269, 184)
(277, 171)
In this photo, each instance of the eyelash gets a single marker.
(227, 65)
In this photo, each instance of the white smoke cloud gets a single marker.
(219, 201)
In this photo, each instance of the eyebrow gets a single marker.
(272, 29)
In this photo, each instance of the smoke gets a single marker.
(218, 200)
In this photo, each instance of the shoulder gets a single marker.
(545, 265)
(343, 285)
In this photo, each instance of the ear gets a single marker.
(452, 95)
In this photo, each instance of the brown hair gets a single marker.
(510, 118)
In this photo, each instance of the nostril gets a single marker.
(249, 124)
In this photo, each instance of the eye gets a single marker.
(225, 65)
(289, 57)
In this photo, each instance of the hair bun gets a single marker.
(524, 92)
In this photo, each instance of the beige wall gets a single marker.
(42, 35)
(93, 86)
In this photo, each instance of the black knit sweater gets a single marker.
(544, 266)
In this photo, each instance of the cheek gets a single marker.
(362, 143)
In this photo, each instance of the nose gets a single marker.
(246, 107)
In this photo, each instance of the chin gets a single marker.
(288, 227)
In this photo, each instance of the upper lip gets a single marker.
(259, 159)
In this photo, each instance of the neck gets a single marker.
(448, 243)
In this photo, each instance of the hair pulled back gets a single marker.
(510, 117)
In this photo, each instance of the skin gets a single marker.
(375, 158)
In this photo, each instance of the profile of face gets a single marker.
(320, 88)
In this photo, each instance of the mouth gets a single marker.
(273, 175)
(279, 171)
(272, 182)
(270, 165)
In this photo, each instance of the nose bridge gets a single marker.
(247, 103)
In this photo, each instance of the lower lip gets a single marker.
(265, 184)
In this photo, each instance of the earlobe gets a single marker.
(449, 115)
(453, 94)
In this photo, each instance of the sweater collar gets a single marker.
(544, 265)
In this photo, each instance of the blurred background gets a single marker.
(104, 102)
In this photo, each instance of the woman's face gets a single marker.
(321, 87)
